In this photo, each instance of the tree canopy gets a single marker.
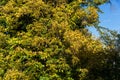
(48, 40)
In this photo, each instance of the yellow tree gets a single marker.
(48, 40)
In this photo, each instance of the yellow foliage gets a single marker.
(15, 75)
(47, 39)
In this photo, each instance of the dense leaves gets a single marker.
(48, 40)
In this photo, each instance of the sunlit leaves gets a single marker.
(48, 39)
(15, 75)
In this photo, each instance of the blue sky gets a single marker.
(111, 16)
